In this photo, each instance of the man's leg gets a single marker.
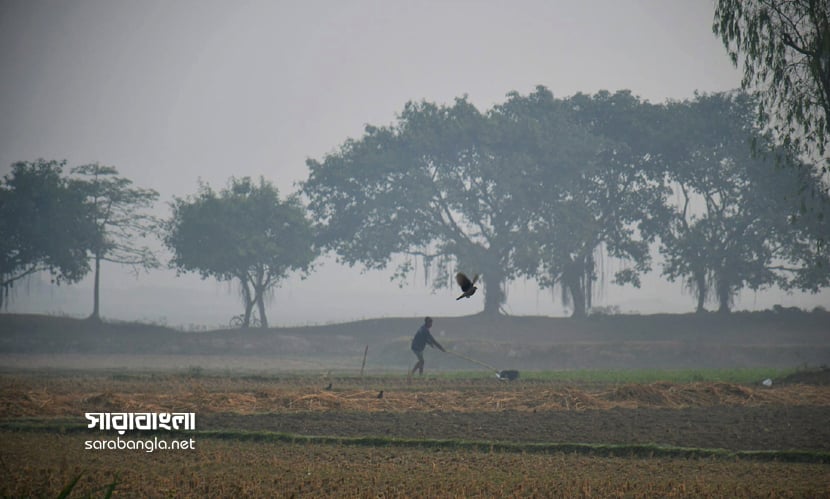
(419, 366)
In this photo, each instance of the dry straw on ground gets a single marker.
(23, 398)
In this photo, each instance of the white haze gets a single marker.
(174, 92)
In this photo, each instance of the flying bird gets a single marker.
(467, 286)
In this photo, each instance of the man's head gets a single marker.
(428, 321)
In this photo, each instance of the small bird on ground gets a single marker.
(380, 394)
(328, 387)
(468, 287)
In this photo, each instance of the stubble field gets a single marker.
(441, 435)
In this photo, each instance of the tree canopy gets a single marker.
(415, 188)
(733, 225)
(784, 48)
(45, 223)
(602, 204)
(243, 233)
(488, 193)
(434, 186)
(547, 188)
(118, 213)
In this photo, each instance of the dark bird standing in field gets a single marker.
(328, 387)
(468, 287)
(380, 395)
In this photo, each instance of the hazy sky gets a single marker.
(172, 92)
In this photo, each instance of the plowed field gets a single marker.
(298, 435)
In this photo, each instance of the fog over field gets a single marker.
(172, 93)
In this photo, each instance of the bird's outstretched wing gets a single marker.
(463, 281)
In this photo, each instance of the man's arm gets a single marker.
(434, 343)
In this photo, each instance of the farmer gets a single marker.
(423, 338)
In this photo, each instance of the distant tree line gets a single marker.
(537, 187)
(66, 223)
(546, 188)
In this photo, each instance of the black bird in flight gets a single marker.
(467, 286)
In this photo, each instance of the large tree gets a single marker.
(45, 225)
(121, 220)
(245, 233)
(732, 227)
(598, 201)
(446, 184)
(784, 47)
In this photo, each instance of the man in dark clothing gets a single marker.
(423, 338)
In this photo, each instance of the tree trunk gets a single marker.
(260, 287)
(247, 299)
(724, 297)
(249, 308)
(263, 320)
(494, 294)
(578, 300)
(96, 290)
(572, 280)
(700, 286)
(701, 299)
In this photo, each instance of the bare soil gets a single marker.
(819, 376)
(41, 465)
(731, 428)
